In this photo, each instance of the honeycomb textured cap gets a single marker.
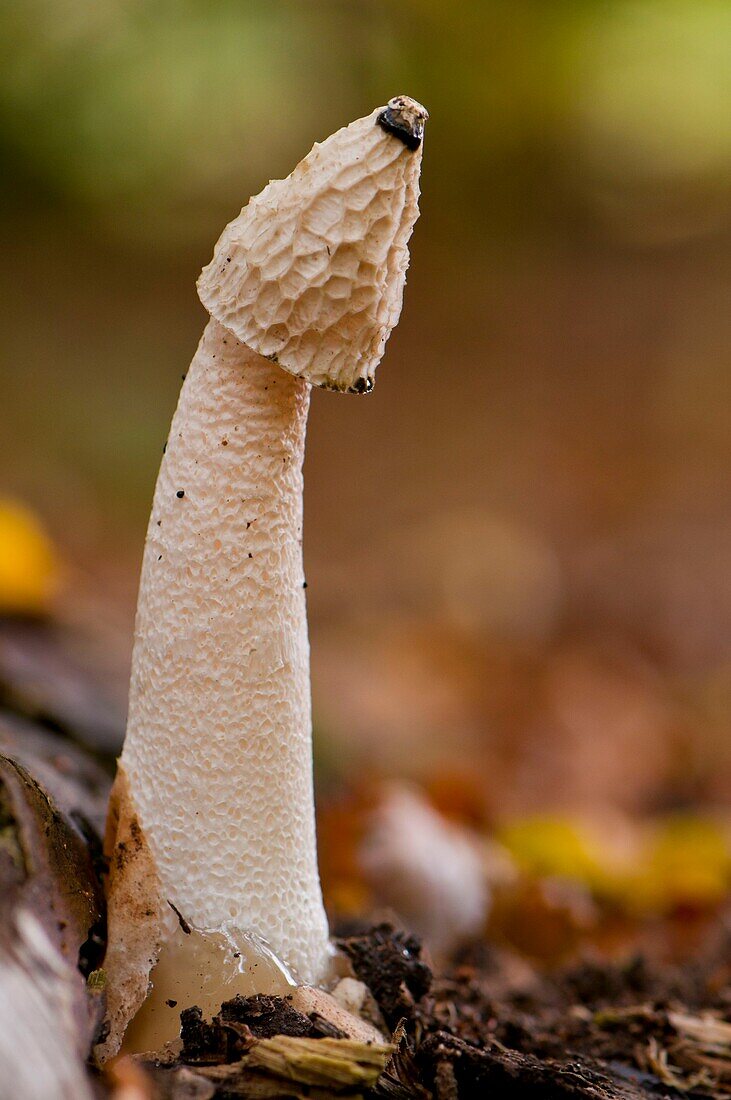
(311, 273)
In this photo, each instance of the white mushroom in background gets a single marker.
(213, 866)
(432, 872)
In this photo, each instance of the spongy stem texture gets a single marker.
(218, 749)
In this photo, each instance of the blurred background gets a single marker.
(518, 548)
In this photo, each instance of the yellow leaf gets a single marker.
(28, 562)
(553, 847)
(688, 862)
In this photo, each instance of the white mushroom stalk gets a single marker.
(213, 810)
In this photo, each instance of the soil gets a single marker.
(489, 1027)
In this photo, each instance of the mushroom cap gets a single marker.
(312, 271)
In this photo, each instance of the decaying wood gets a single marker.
(326, 1063)
(282, 1066)
(51, 938)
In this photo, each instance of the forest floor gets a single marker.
(486, 1027)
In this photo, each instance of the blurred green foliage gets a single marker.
(155, 117)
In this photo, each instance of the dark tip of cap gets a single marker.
(404, 118)
(361, 385)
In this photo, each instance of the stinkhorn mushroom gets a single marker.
(212, 829)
